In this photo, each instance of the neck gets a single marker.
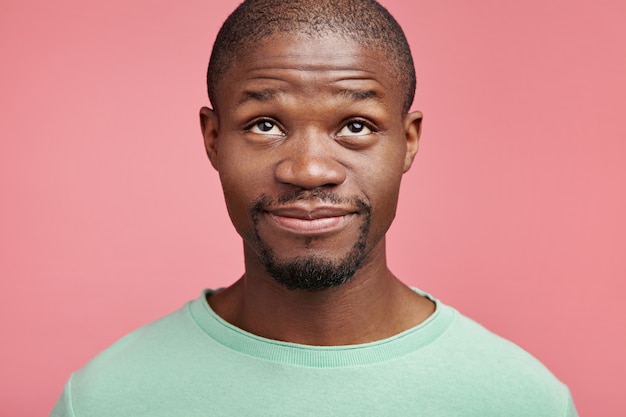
(373, 305)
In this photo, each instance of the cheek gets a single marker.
(382, 185)
(237, 197)
(243, 181)
(386, 201)
(382, 168)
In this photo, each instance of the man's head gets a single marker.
(311, 136)
(363, 21)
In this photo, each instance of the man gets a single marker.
(311, 133)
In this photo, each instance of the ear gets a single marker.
(209, 124)
(412, 130)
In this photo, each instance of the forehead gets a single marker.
(311, 61)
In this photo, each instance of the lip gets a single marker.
(311, 220)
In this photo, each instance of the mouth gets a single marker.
(311, 220)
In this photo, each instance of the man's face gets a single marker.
(310, 144)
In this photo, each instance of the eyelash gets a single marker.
(256, 122)
(366, 123)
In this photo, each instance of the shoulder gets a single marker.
(497, 369)
(481, 344)
(139, 360)
(158, 336)
(146, 369)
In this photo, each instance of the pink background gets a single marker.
(514, 212)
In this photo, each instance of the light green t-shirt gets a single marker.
(193, 363)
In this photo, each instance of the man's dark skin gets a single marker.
(301, 113)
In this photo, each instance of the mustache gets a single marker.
(264, 201)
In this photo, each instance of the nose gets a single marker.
(309, 162)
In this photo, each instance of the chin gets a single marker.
(314, 272)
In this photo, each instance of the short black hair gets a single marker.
(363, 21)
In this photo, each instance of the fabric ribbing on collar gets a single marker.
(321, 356)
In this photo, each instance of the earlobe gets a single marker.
(209, 124)
(412, 129)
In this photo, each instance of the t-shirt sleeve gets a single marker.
(63, 407)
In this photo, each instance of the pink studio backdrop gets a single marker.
(111, 216)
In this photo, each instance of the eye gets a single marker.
(265, 127)
(355, 128)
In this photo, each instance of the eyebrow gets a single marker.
(259, 95)
(359, 95)
(270, 94)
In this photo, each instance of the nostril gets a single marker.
(310, 171)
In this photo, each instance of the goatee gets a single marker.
(312, 273)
